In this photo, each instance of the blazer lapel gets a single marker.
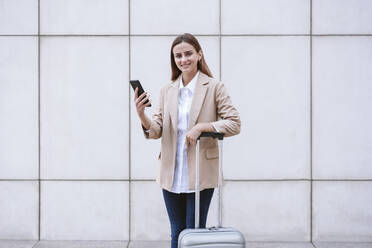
(198, 98)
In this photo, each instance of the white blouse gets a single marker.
(185, 93)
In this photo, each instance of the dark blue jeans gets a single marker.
(181, 211)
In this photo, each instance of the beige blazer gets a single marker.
(211, 103)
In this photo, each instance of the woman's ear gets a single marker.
(200, 55)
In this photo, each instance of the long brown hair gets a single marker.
(190, 39)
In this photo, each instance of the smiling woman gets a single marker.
(192, 103)
(186, 50)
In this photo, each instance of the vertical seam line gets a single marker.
(220, 41)
(311, 123)
(129, 130)
(39, 139)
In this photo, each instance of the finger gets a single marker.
(140, 98)
(141, 106)
(143, 94)
(189, 141)
(144, 99)
(142, 102)
(136, 93)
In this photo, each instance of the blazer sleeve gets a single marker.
(156, 127)
(229, 122)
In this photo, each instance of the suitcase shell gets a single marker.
(217, 237)
(211, 237)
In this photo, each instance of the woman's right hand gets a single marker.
(140, 102)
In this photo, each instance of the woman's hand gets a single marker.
(193, 135)
(140, 102)
(140, 106)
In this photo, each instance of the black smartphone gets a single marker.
(136, 84)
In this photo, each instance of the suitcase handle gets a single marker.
(214, 135)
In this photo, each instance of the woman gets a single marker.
(193, 102)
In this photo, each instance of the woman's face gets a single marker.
(186, 57)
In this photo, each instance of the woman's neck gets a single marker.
(187, 77)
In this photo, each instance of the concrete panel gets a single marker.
(84, 109)
(269, 83)
(19, 136)
(19, 211)
(342, 17)
(19, 17)
(265, 17)
(90, 210)
(342, 211)
(149, 218)
(342, 120)
(268, 211)
(84, 17)
(174, 17)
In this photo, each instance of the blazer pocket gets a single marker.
(212, 153)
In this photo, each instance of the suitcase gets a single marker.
(217, 237)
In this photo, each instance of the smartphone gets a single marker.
(136, 84)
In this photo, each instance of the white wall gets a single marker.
(71, 147)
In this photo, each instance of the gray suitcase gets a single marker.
(221, 237)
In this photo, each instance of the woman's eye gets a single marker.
(178, 56)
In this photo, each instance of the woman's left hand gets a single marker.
(193, 135)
